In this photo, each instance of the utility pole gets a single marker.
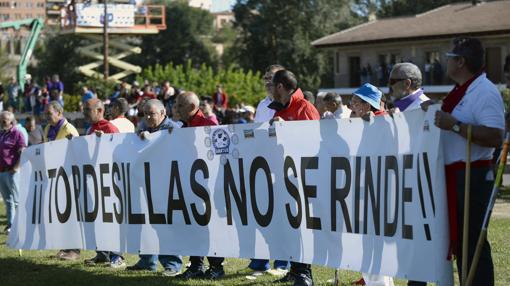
(105, 41)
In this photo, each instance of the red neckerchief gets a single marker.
(455, 96)
(380, 113)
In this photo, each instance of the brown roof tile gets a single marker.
(445, 21)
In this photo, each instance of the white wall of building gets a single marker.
(204, 4)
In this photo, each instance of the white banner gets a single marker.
(364, 196)
(92, 15)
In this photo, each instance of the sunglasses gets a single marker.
(452, 55)
(393, 81)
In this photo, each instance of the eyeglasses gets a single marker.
(452, 55)
(393, 81)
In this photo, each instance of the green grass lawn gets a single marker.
(41, 268)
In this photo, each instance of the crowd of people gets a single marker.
(475, 103)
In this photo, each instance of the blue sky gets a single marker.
(222, 5)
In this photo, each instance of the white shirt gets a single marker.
(124, 125)
(482, 105)
(342, 112)
(264, 113)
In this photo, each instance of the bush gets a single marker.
(71, 102)
(103, 89)
(505, 93)
(242, 87)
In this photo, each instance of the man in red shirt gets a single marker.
(290, 104)
(289, 101)
(94, 114)
(187, 107)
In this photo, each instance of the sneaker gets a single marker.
(214, 273)
(255, 274)
(359, 282)
(60, 253)
(191, 273)
(303, 280)
(96, 260)
(278, 272)
(117, 262)
(137, 267)
(7, 229)
(70, 255)
(170, 273)
(289, 277)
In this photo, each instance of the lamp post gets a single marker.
(105, 41)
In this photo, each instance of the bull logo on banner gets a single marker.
(220, 141)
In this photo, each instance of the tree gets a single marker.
(183, 39)
(282, 31)
(57, 54)
(4, 62)
(396, 8)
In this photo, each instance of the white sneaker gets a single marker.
(118, 262)
(278, 272)
(254, 275)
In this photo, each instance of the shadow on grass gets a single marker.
(26, 271)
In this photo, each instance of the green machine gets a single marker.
(35, 26)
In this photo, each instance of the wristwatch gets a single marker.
(456, 127)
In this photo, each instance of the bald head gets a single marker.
(95, 103)
(93, 110)
(187, 104)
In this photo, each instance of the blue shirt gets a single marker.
(88, 95)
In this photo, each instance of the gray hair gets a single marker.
(122, 105)
(408, 71)
(333, 97)
(154, 102)
(56, 106)
(190, 98)
(9, 115)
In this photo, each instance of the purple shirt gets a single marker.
(11, 143)
(55, 85)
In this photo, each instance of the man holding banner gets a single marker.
(187, 106)
(59, 128)
(474, 106)
(290, 104)
(93, 112)
(264, 114)
(155, 120)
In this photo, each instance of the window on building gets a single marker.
(494, 64)
(354, 71)
(337, 62)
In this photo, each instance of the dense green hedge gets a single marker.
(242, 87)
(506, 98)
(71, 102)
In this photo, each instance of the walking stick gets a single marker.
(467, 189)
(488, 212)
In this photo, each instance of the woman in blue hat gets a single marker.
(366, 102)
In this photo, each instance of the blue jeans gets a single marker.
(149, 261)
(263, 264)
(9, 185)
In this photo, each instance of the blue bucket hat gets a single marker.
(370, 94)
